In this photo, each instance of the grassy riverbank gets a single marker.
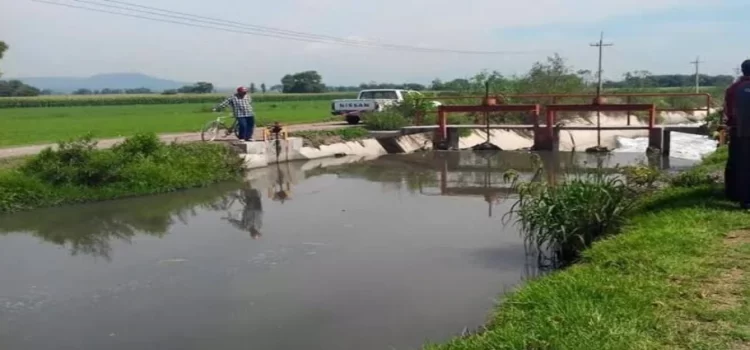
(141, 165)
(675, 277)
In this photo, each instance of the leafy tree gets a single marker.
(263, 87)
(303, 82)
(277, 88)
(83, 92)
(3, 48)
(10, 88)
(200, 87)
(252, 88)
(552, 76)
(138, 91)
(406, 86)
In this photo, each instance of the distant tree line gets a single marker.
(112, 91)
(644, 79)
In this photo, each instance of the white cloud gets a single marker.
(50, 40)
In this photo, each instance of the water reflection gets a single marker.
(482, 174)
(250, 218)
(89, 229)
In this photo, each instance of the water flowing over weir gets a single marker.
(335, 253)
(685, 146)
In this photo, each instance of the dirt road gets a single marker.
(181, 137)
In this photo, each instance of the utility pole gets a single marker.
(697, 64)
(601, 46)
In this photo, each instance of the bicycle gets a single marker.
(211, 130)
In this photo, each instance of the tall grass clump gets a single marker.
(79, 172)
(389, 118)
(561, 220)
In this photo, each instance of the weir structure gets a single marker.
(546, 138)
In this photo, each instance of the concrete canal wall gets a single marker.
(260, 154)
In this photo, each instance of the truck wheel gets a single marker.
(352, 119)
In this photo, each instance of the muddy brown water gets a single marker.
(385, 254)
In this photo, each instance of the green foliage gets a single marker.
(316, 138)
(16, 88)
(154, 99)
(413, 105)
(3, 48)
(389, 118)
(303, 82)
(200, 87)
(566, 218)
(79, 172)
(641, 176)
(693, 178)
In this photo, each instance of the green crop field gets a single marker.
(155, 99)
(23, 126)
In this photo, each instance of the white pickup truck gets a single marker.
(369, 100)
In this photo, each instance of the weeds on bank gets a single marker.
(564, 219)
(316, 138)
(677, 280)
(79, 172)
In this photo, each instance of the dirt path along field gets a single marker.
(177, 137)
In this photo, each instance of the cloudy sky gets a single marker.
(661, 36)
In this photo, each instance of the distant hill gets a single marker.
(102, 81)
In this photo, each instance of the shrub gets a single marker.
(641, 176)
(564, 219)
(78, 172)
(693, 178)
(388, 119)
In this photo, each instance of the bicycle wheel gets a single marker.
(211, 130)
(236, 128)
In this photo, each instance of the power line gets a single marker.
(231, 24)
(697, 64)
(262, 28)
(250, 29)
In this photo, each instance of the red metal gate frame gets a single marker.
(535, 110)
(554, 98)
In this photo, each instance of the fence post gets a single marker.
(442, 124)
(628, 100)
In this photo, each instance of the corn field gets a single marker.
(154, 99)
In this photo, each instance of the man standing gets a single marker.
(737, 119)
(242, 110)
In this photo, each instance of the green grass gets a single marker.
(22, 126)
(143, 99)
(316, 138)
(77, 172)
(676, 277)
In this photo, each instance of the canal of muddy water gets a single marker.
(384, 254)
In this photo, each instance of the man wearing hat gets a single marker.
(737, 119)
(242, 110)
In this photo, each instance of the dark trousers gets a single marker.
(730, 170)
(742, 173)
(246, 126)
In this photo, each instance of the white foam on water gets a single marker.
(686, 146)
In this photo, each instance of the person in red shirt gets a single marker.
(737, 120)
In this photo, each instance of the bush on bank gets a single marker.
(78, 172)
(672, 277)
